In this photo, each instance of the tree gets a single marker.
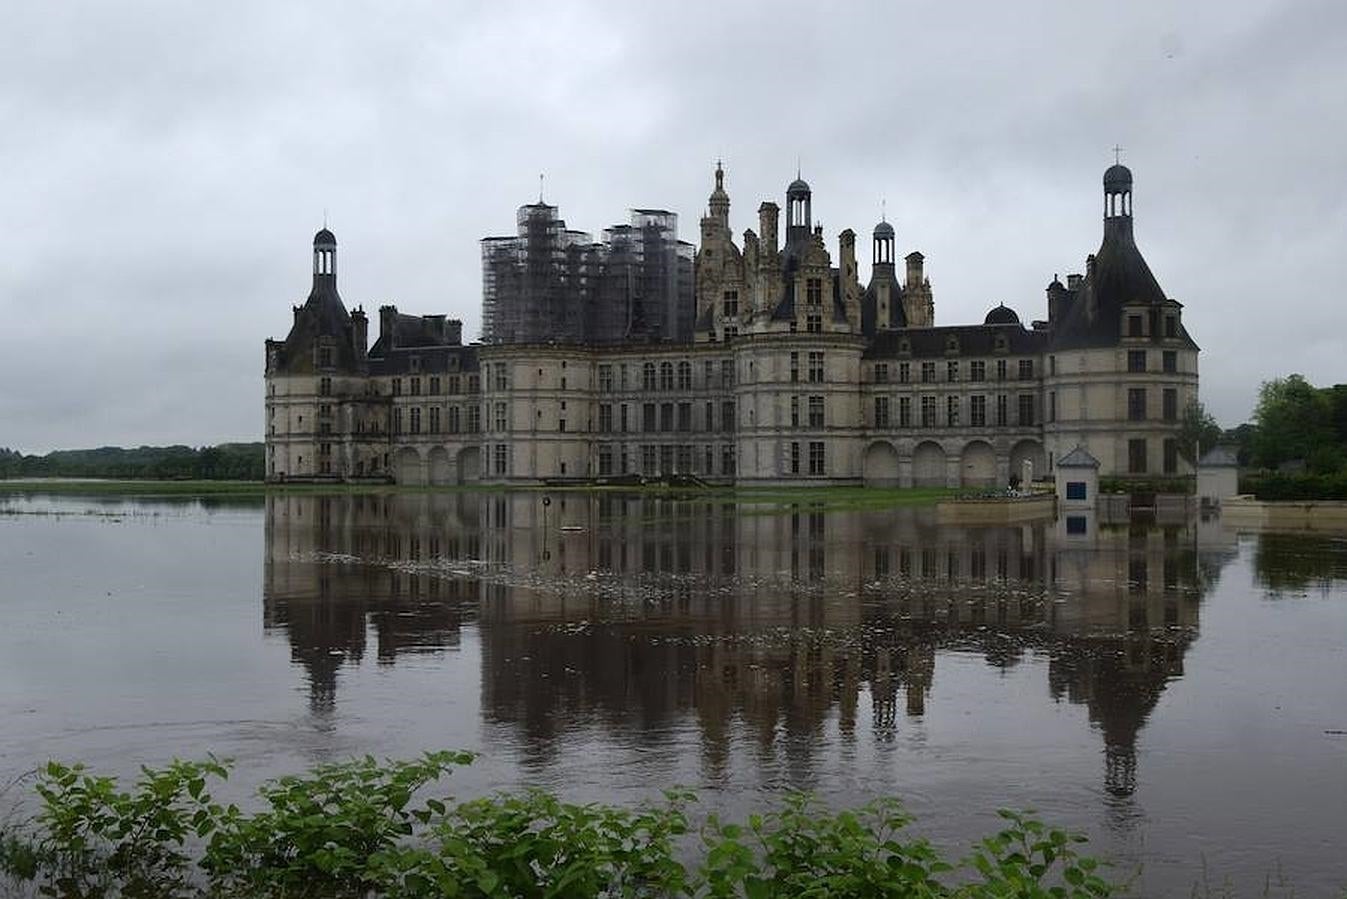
(1198, 432)
(1294, 421)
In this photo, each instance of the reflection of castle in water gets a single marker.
(640, 613)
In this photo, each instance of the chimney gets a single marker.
(768, 214)
(388, 316)
(914, 270)
(359, 334)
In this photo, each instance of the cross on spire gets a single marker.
(1117, 154)
(883, 211)
(540, 188)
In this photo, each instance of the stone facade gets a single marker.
(796, 373)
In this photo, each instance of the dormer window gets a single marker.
(1171, 326)
(905, 346)
(1000, 344)
(325, 357)
(416, 363)
(1134, 326)
(951, 344)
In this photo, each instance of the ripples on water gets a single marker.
(1170, 687)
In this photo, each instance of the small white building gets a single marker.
(1078, 473)
(1217, 475)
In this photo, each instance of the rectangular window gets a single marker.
(727, 415)
(813, 323)
(881, 412)
(1000, 369)
(474, 383)
(726, 372)
(666, 459)
(904, 372)
(500, 416)
(952, 370)
(1134, 326)
(434, 385)
(605, 417)
(325, 356)
(794, 367)
(952, 411)
(1171, 456)
(977, 411)
(928, 412)
(454, 419)
(1136, 360)
(1052, 405)
(1171, 326)
(709, 374)
(813, 292)
(502, 376)
(816, 460)
(605, 459)
(1136, 456)
(416, 386)
(499, 456)
(1171, 362)
(648, 459)
(666, 376)
(816, 412)
(1136, 404)
(606, 379)
(685, 417)
(795, 458)
(666, 416)
(816, 368)
(977, 370)
(474, 418)
(1076, 490)
(434, 419)
(710, 423)
(927, 372)
(727, 459)
(795, 412)
(685, 458)
(648, 376)
(731, 307)
(1026, 410)
(1002, 418)
(325, 386)
(625, 425)
(881, 373)
(455, 384)
(648, 417)
(904, 411)
(685, 375)
(397, 421)
(1171, 404)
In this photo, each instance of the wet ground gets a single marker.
(1175, 689)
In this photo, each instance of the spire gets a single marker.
(720, 201)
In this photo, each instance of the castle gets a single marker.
(758, 362)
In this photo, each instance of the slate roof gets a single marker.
(973, 340)
(1078, 458)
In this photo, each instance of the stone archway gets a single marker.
(1030, 451)
(408, 468)
(469, 465)
(977, 466)
(879, 468)
(928, 465)
(441, 472)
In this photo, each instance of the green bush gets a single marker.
(1148, 485)
(364, 828)
(1273, 486)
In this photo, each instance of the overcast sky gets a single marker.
(163, 167)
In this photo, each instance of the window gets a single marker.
(731, 307)
(813, 323)
(1076, 490)
(685, 375)
(397, 387)
(727, 415)
(1171, 326)
(727, 459)
(605, 459)
(455, 384)
(474, 383)
(502, 376)
(416, 386)
(881, 373)
(648, 459)
(325, 387)
(1026, 410)
(325, 356)
(605, 417)
(881, 412)
(928, 412)
(1002, 419)
(710, 423)
(501, 416)
(474, 418)
(1171, 455)
(710, 374)
(1171, 361)
(977, 411)
(795, 412)
(685, 417)
(795, 458)
(666, 459)
(952, 370)
(813, 292)
(500, 455)
(648, 376)
(904, 411)
(1000, 369)
(1052, 365)
(1134, 326)
(726, 372)
(927, 372)
(454, 419)
(648, 417)
(606, 379)
(685, 458)
(952, 411)
(904, 372)
(1026, 369)
(623, 412)
(1136, 360)
(666, 376)
(816, 461)
(794, 367)
(816, 412)
(1171, 404)
(397, 421)
(816, 368)
(1136, 456)
(1052, 405)
(1136, 404)
(977, 370)
(666, 416)
(434, 419)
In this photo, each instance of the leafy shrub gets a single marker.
(1273, 486)
(361, 828)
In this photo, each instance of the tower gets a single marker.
(798, 223)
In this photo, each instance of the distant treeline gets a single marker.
(226, 462)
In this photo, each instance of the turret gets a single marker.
(798, 213)
(719, 202)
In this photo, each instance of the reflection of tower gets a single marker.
(335, 566)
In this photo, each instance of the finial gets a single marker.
(324, 218)
(540, 188)
(1117, 154)
(797, 166)
(883, 211)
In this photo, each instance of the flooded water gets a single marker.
(1176, 690)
